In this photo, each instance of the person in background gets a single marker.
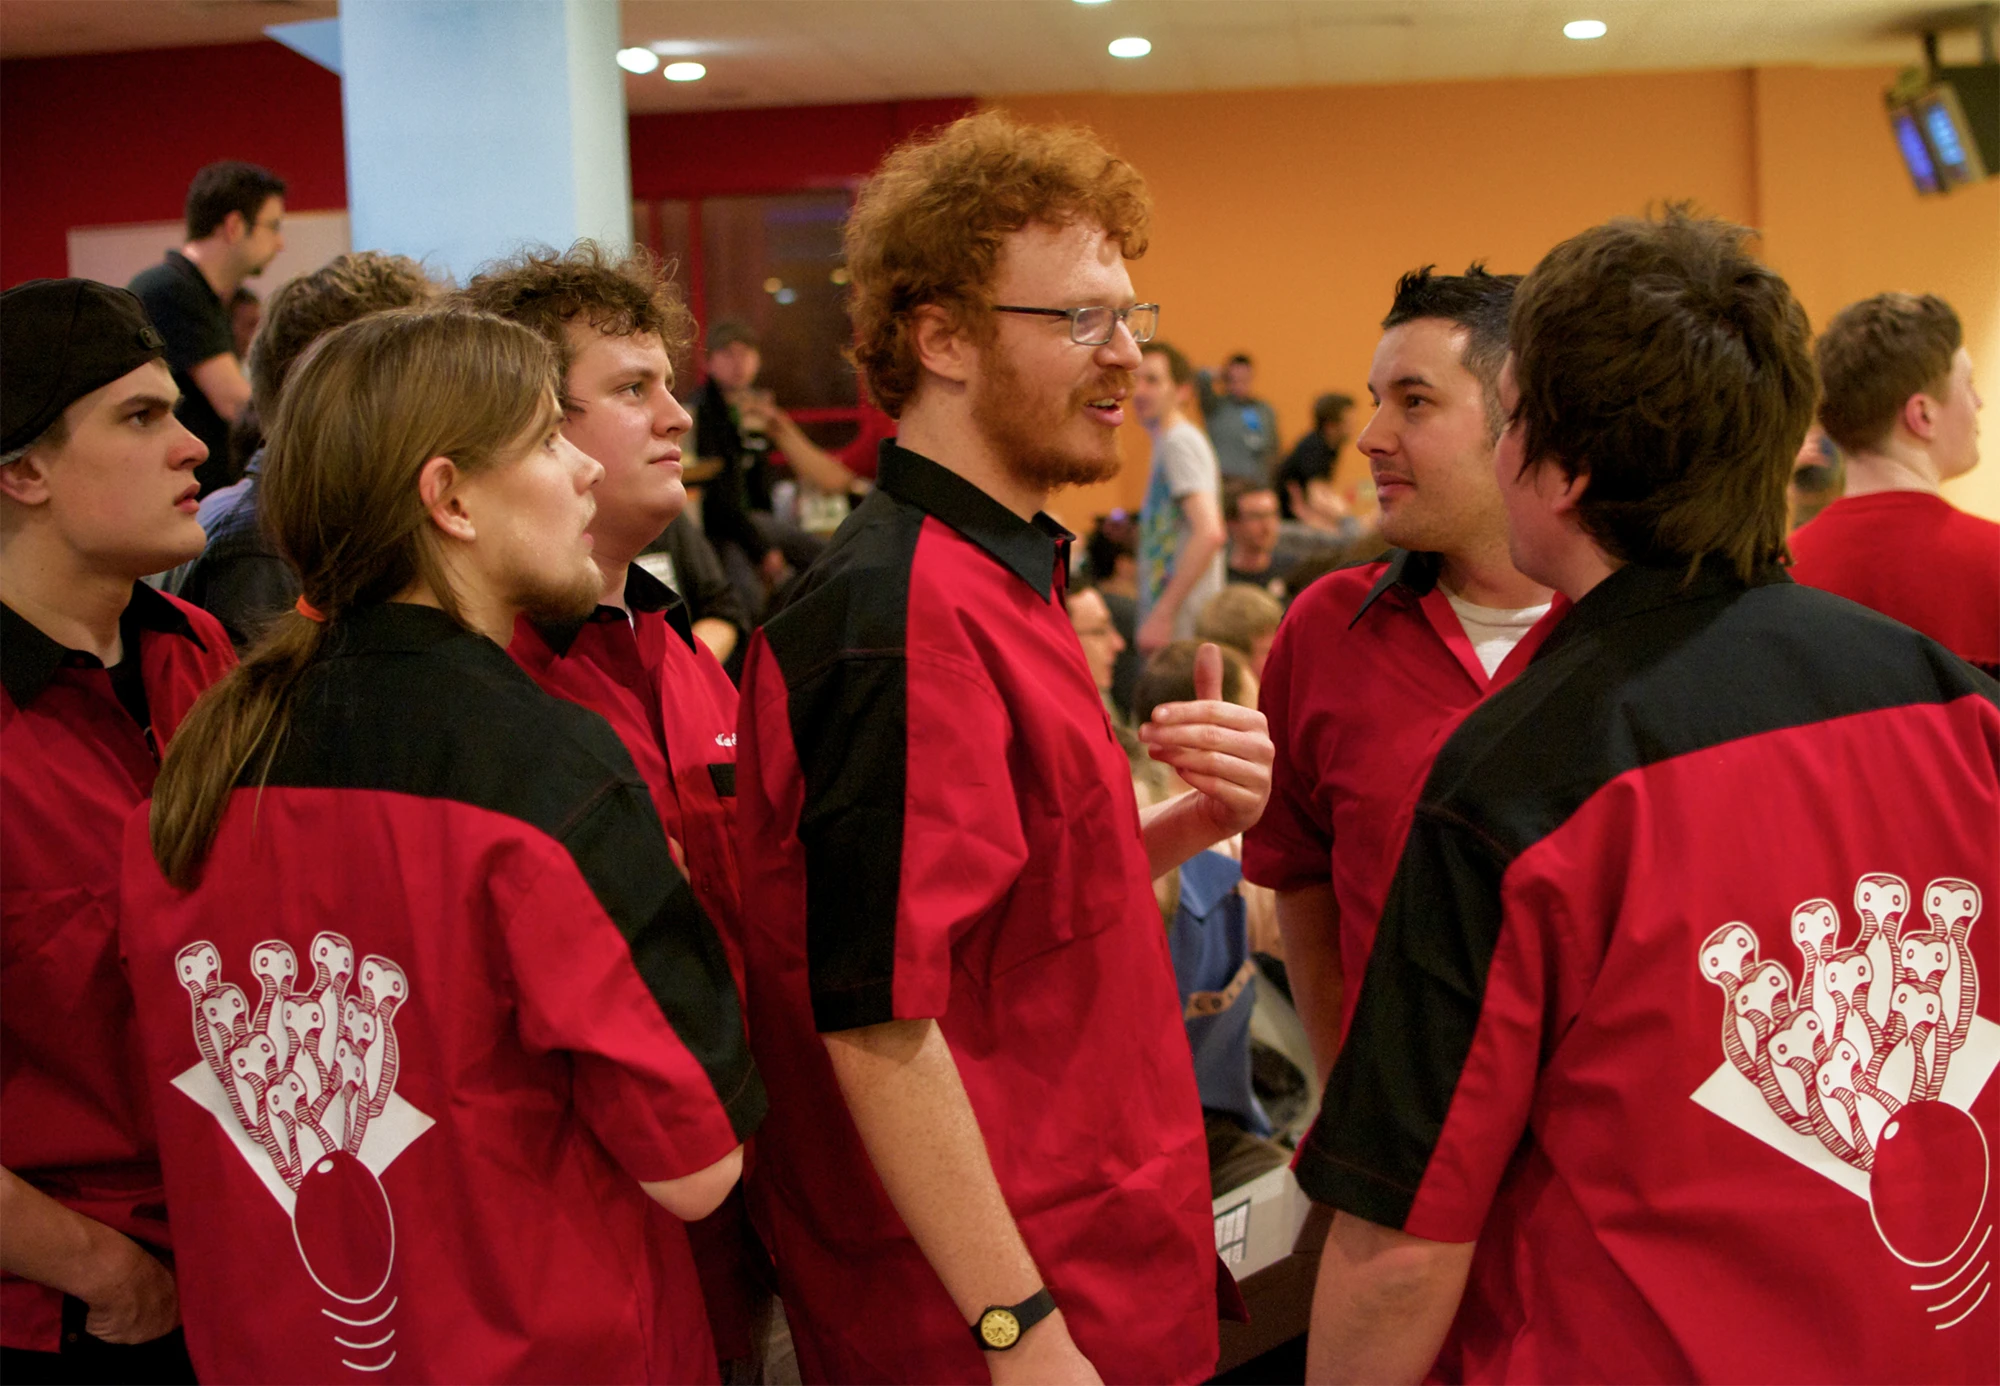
(1317, 454)
(1244, 619)
(1111, 559)
(1372, 663)
(235, 221)
(1629, 879)
(97, 671)
(684, 560)
(1243, 428)
(380, 817)
(1250, 514)
(246, 311)
(1899, 402)
(1208, 935)
(984, 1161)
(1819, 474)
(1102, 644)
(241, 578)
(1180, 526)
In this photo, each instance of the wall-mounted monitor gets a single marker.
(1946, 121)
(1953, 143)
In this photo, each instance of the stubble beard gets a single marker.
(549, 601)
(1023, 437)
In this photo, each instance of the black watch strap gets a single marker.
(1000, 1326)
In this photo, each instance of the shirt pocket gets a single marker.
(1073, 887)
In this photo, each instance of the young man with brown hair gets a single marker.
(616, 323)
(1898, 399)
(1180, 525)
(240, 578)
(985, 1159)
(1627, 1095)
(97, 670)
(1418, 637)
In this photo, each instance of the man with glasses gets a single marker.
(985, 1158)
(1180, 524)
(235, 214)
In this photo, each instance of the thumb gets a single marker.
(1208, 674)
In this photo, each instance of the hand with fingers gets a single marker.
(1221, 750)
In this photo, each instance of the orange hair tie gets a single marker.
(308, 610)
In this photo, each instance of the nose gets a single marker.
(671, 418)
(589, 471)
(1374, 440)
(1122, 350)
(188, 450)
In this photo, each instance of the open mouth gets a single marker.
(1106, 409)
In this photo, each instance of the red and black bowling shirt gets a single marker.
(937, 823)
(79, 748)
(674, 708)
(1370, 670)
(1675, 1003)
(437, 1004)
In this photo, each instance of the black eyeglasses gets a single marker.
(1094, 326)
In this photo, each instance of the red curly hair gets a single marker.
(929, 225)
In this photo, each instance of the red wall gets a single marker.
(103, 138)
(100, 139)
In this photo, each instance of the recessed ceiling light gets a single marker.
(685, 72)
(678, 48)
(1584, 29)
(1090, 2)
(1130, 48)
(639, 60)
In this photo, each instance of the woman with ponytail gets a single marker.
(425, 1001)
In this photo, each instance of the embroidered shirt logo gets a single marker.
(1866, 1068)
(304, 1083)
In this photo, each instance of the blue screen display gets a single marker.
(1943, 131)
(1916, 155)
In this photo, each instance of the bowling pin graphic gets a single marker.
(333, 965)
(1726, 956)
(1880, 900)
(1815, 928)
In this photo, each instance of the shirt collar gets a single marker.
(1638, 588)
(643, 592)
(29, 658)
(1417, 572)
(1032, 550)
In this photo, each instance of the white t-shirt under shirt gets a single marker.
(1183, 464)
(1495, 630)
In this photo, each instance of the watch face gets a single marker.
(999, 1328)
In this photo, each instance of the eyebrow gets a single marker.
(1406, 381)
(150, 401)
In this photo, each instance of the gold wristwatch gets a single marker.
(1000, 1326)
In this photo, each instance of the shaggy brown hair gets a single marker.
(928, 228)
(620, 295)
(1874, 355)
(307, 308)
(1662, 360)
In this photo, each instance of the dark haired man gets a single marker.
(1250, 514)
(1631, 1090)
(1242, 427)
(96, 672)
(235, 215)
(240, 578)
(985, 1158)
(1419, 637)
(1180, 524)
(1318, 452)
(1899, 401)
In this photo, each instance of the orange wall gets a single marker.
(1284, 217)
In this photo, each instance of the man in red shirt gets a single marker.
(1897, 397)
(1373, 662)
(97, 670)
(1671, 1061)
(636, 660)
(428, 1010)
(985, 1159)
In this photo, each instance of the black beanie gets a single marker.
(59, 340)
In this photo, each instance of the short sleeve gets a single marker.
(909, 828)
(1431, 1092)
(1291, 846)
(1188, 465)
(615, 964)
(194, 328)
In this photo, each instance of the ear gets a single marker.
(440, 486)
(1919, 415)
(25, 481)
(1565, 492)
(942, 347)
